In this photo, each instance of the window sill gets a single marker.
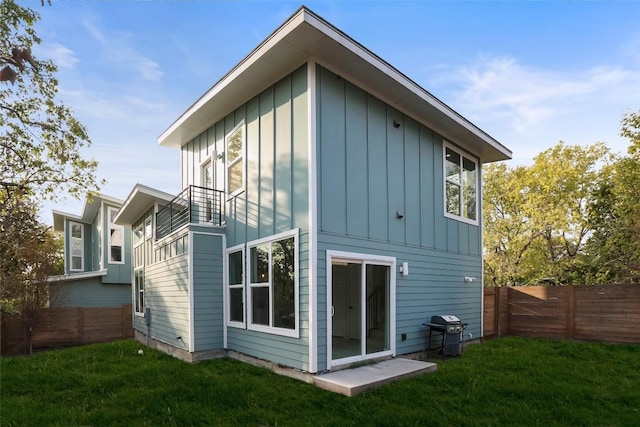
(293, 333)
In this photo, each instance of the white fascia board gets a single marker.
(76, 276)
(139, 200)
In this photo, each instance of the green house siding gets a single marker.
(288, 351)
(167, 297)
(90, 292)
(371, 170)
(380, 191)
(207, 259)
(87, 245)
(435, 285)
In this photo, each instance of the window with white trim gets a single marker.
(235, 160)
(116, 239)
(273, 284)
(235, 265)
(139, 290)
(76, 240)
(460, 185)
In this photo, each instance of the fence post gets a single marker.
(571, 312)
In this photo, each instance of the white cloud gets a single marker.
(61, 55)
(118, 49)
(531, 108)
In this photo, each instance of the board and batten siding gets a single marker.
(380, 191)
(275, 197)
(206, 254)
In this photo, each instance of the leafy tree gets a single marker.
(41, 146)
(537, 218)
(29, 253)
(40, 140)
(615, 214)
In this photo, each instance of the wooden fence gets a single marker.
(608, 313)
(60, 327)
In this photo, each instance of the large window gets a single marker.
(235, 259)
(116, 239)
(235, 160)
(460, 185)
(76, 239)
(273, 284)
(139, 290)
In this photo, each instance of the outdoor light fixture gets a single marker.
(404, 268)
(396, 124)
(469, 279)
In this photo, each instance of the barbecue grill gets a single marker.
(451, 329)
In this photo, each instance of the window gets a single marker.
(76, 240)
(139, 290)
(460, 186)
(273, 287)
(148, 230)
(235, 160)
(236, 287)
(138, 235)
(116, 239)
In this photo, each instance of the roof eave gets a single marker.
(304, 37)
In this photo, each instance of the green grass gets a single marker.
(513, 381)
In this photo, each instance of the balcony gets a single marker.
(194, 205)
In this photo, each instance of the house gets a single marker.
(330, 206)
(97, 256)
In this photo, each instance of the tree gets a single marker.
(41, 146)
(29, 254)
(615, 214)
(537, 218)
(40, 140)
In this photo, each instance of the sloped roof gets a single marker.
(138, 202)
(89, 211)
(306, 36)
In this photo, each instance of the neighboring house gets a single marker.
(97, 257)
(330, 207)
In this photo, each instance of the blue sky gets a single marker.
(528, 73)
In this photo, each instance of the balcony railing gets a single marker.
(195, 205)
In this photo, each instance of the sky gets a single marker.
(529, 73)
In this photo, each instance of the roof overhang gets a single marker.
(307, 37)
(89, 211)
(138, 202)
(76, 276)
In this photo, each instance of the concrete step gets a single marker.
(356, 380)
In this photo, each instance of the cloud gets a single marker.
(61, 55)
(118, 49)
(501, 88)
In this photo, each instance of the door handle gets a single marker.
(333, 311)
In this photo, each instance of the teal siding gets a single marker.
(279, 349)
(434, 286)
(116, 273)
(207, 252)
(167, 296)
(375, 160)
(88, 247)
(90, 292)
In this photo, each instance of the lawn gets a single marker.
(512, 381)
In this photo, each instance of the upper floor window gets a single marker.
(76, 240)
(116, 239)
(235, 160)
(460, 186)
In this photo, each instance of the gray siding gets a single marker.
(207, 252)
(90, 292)
(88, 246)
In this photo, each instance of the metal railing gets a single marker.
(194, 205)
